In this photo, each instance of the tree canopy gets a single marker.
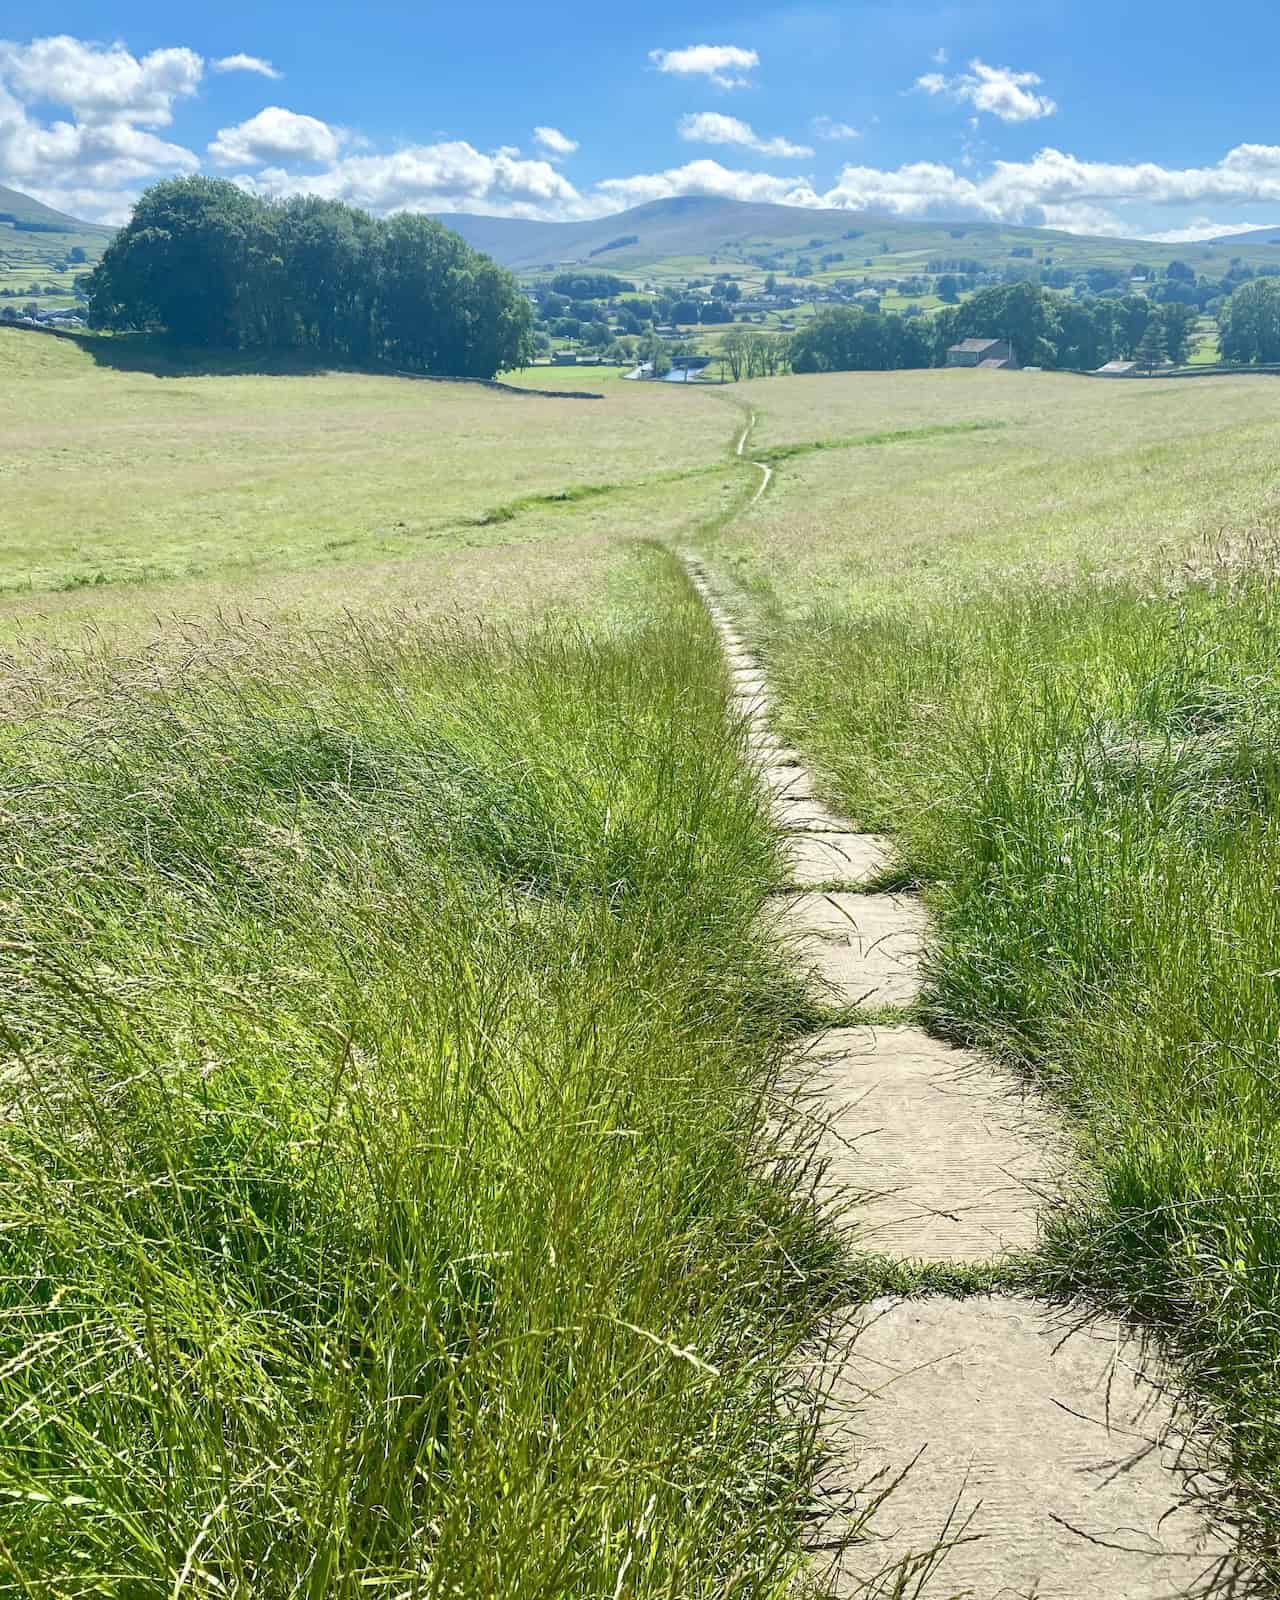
(848, 339)
(1251, 322)
(215, 267)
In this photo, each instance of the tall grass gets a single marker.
(383, 1194)
(1087, 778)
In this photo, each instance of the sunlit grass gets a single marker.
(385, 1176)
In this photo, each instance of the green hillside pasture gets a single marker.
(680, 239)
(122, 476)
(1045, 657)
(383, 1140)
(1076, 472)
(38, 258)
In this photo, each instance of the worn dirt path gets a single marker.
(1044, 1459)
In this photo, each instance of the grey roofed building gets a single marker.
(981, 353)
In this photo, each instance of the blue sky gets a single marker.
(1125, 118)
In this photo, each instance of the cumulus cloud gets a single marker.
(1201, 228)
(275, 135)
(1058, 190)
(829, 128)
(101, 83)
(86, 164)
(450, 176)
(708, 178)
(998, 91)
(554, 142)
(710, 127)
(1052, 189)
(244, 63)
(725, 65)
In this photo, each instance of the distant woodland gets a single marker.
(211, 266)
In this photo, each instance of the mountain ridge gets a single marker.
(702, 226)
(29, 214)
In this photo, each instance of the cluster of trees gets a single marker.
(849, 339)
(590, 285)
(620, 243)
(215, 267)
(1250, 322)
(755, 355)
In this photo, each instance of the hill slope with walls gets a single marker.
(694, 231)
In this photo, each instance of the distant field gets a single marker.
(153, 491)
(1075, 471)
(34, 259)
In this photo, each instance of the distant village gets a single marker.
(584, 316)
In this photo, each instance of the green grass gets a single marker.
(1088, 781)
(384, 1153)
(123, 466)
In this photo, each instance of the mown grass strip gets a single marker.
(576, 492)
(789, 452)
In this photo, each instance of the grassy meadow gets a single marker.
(388, 1093)
(389, 1096)
(120, 470)
(1044, 655)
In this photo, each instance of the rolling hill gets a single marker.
(694, 233)
(36, 243)
(21, 213)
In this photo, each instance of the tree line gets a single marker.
(1042, 328)
(214, 267)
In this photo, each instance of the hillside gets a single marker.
(693, 232)
(36, 248)
(22, 212)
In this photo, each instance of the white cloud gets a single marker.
(708, 178)
(554, 142)
(244, 63)
(939, 57)
(829, 128)
(275, 135)
(1055, 189)
(451, 176)
(1201, 228)
(1052, 189)
(101, 83)
(711, 127)
(725, 65)
(999, 91)
(104, 150)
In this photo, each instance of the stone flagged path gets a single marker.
(1047, 1456)
(963, 1188)
(1048, 1448)
(864, 948)
(822, 858)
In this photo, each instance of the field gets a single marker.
(131, 489)
(402, 1190)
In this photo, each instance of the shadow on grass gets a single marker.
(163, 359)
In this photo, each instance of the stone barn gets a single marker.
(991, 353)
